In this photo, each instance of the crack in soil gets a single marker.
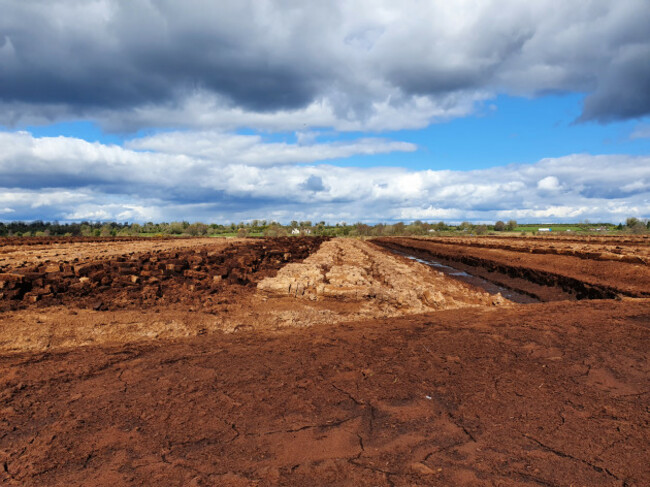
(119, 378)
(5, 467)
(354, 399)
(307, 427)
(88, 458)
(571, 457)
(458, 423)
(234, 428)
(361, 443)
(536, 480)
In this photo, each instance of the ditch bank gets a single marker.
(489, 287)
(532, 281)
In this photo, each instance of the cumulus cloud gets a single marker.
(280, 65)
(252, 150)
(71, 179)
(549, 183)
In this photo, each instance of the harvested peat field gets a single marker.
(485, 361)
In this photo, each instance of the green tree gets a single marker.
(106, 230)
(176, 228)
(362, 229)
(399, 228)
(86, 230)
(197, 229)
(499, 226)
(275, 230)
(636, 226)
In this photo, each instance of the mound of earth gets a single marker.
(380, 284)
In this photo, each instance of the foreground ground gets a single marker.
(340, 364)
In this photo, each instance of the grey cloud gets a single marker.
(625, 89)
(120, 60)
(313, 183)
(121, 54)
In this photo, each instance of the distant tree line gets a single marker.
(40, 228)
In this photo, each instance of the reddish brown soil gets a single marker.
(148, 390)
(21, 253)
(21, 242)
(196, 276)
(534, 269)
(634, 249)
(531, 396)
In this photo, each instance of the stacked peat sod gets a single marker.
(151, 275)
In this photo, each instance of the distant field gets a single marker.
(565, 228)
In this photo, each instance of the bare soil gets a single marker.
(374, 282)
(309, 362)
(535, 267)
(158, 276)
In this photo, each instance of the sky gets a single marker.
(342, 111)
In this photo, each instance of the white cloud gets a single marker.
(31, 199)
(549, 183)
(70, 179)
(253, 150)
(115, 212)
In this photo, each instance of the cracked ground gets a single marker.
(252, 388)
(486, 397)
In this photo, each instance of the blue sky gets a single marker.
(507, 130)
(336, 111)
(503, 130)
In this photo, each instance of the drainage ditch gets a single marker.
(489, 287)
(519, 284)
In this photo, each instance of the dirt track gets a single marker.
(554, 393)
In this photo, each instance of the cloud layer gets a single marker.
(197, 72)
(284, 65)
(242, 177)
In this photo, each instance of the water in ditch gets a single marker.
(476, 281)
